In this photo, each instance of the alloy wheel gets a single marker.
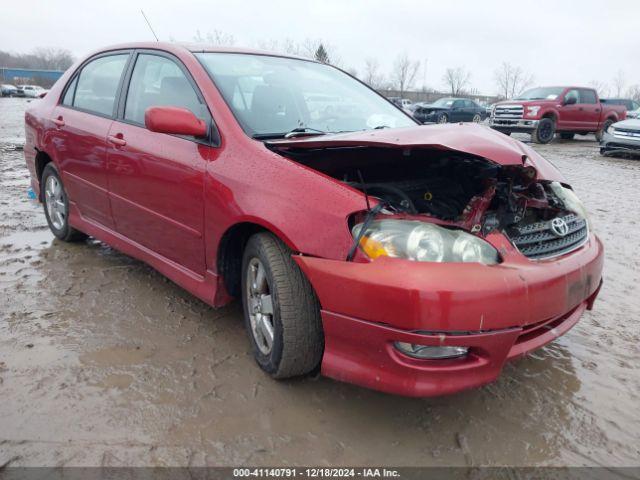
(55, 202)
(260, 306)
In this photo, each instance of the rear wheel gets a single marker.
(545, 131)
(566, 135)
(605, 127)
(281, 311)
(477, 118)
(56, 206)
(443, 118)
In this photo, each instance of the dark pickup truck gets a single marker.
(545, 111)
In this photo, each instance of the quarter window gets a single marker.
(71, 90)
(98, 84)
(158, 81)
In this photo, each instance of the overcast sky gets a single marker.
(560, 42)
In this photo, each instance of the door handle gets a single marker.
(117, 140)
(59, 122)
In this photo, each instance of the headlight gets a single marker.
(571, 201)
(423, 242)
(533, 111)
(611, 130)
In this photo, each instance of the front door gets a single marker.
(157, 180)
(82, 120)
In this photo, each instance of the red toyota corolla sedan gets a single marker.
(410, 259)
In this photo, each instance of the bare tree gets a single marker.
(619, 83)
(511, 80)
(634, 92)
(404, 72)
(216, 37)
(601, 87)
(372, 75)
(457, 80)
(42, 58)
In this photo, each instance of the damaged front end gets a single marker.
(430, 203)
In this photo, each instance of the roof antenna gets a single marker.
(150, 27)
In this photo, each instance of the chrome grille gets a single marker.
(508, 111)
(538, 240)
(626, 133)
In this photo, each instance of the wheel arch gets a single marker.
(231, 248)
(41, 161)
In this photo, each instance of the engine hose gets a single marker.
(389, 188)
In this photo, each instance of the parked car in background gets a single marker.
(413, 260)
(447, 110)
(545, 111)
(621, 138)
(8, 90)
(633, 113)
(629, 103)
(403, 103)
(32, 91)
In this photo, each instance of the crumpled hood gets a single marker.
(469, 138)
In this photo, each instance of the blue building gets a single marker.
(20, 76)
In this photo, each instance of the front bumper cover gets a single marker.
(513, 124)
(619, 144)
(500, 312)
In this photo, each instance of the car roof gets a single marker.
(174, 47)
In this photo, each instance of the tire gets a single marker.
(544, 132)
(297, 340)
(566, 135)
(605, 127)
(443, 118)
(477, 118)
(56, 206)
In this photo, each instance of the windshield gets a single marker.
(544, 93)
(271, 96)
(443, 102)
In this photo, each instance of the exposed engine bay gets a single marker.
(453, 188)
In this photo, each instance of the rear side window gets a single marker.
(98, 84)
(158, 81)
(588, 96)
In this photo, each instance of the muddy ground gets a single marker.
(105, 362)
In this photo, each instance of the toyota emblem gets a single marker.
(559, 227)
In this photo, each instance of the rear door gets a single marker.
(157, 180)
(82, 120)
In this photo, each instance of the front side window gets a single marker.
(159, 82)
(98, 84)
(271, 96)
(572, 94)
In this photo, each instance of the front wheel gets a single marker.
(545, 131)
(281, 311)
(56, 206)
(605, 127)
(443, 118)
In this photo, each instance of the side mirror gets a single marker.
(174, 120)
(570, 100)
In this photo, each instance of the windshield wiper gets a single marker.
(296, 132)
(302, 131)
